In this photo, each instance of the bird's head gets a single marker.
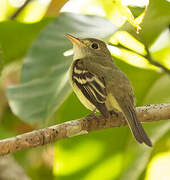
(88, 47)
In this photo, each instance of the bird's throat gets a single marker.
(79, 53)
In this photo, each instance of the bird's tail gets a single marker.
(136, 127)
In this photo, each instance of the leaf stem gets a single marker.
(19, 10)
(147, 56)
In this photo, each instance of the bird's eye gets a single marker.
(94, 46)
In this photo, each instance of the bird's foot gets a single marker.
(114, 113)
(117, 115)
(92, 115)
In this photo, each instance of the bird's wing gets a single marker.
(92, 86)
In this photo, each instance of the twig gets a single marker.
(80, 126)
(126, 48)
(155, 63)
(55, 7)
(18, 11)
(147, 56)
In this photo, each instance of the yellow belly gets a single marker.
(112, 104)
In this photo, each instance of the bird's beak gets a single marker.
(74, 39)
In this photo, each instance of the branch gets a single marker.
(80, 126)
(19, 10)
(155, 63)
(147, 57)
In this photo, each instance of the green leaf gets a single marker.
(156, 20)
(15, 38)
(159, 92)
(117, 12)
(163, 55)
(44, 79)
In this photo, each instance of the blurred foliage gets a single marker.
(12, 32)
(155, 166)
(119, 13)
(1, 61)
(42, 95)
(54, 7)
(45, 67)
(155, 22)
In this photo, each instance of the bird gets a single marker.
(101, 86)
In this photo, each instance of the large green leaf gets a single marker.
(44, 81)
(160, 89)
(163, 55)
(15, 38)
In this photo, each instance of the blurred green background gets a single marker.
(35, 92)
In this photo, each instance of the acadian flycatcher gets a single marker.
(101, 86)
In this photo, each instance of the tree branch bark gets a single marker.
(77, 127)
